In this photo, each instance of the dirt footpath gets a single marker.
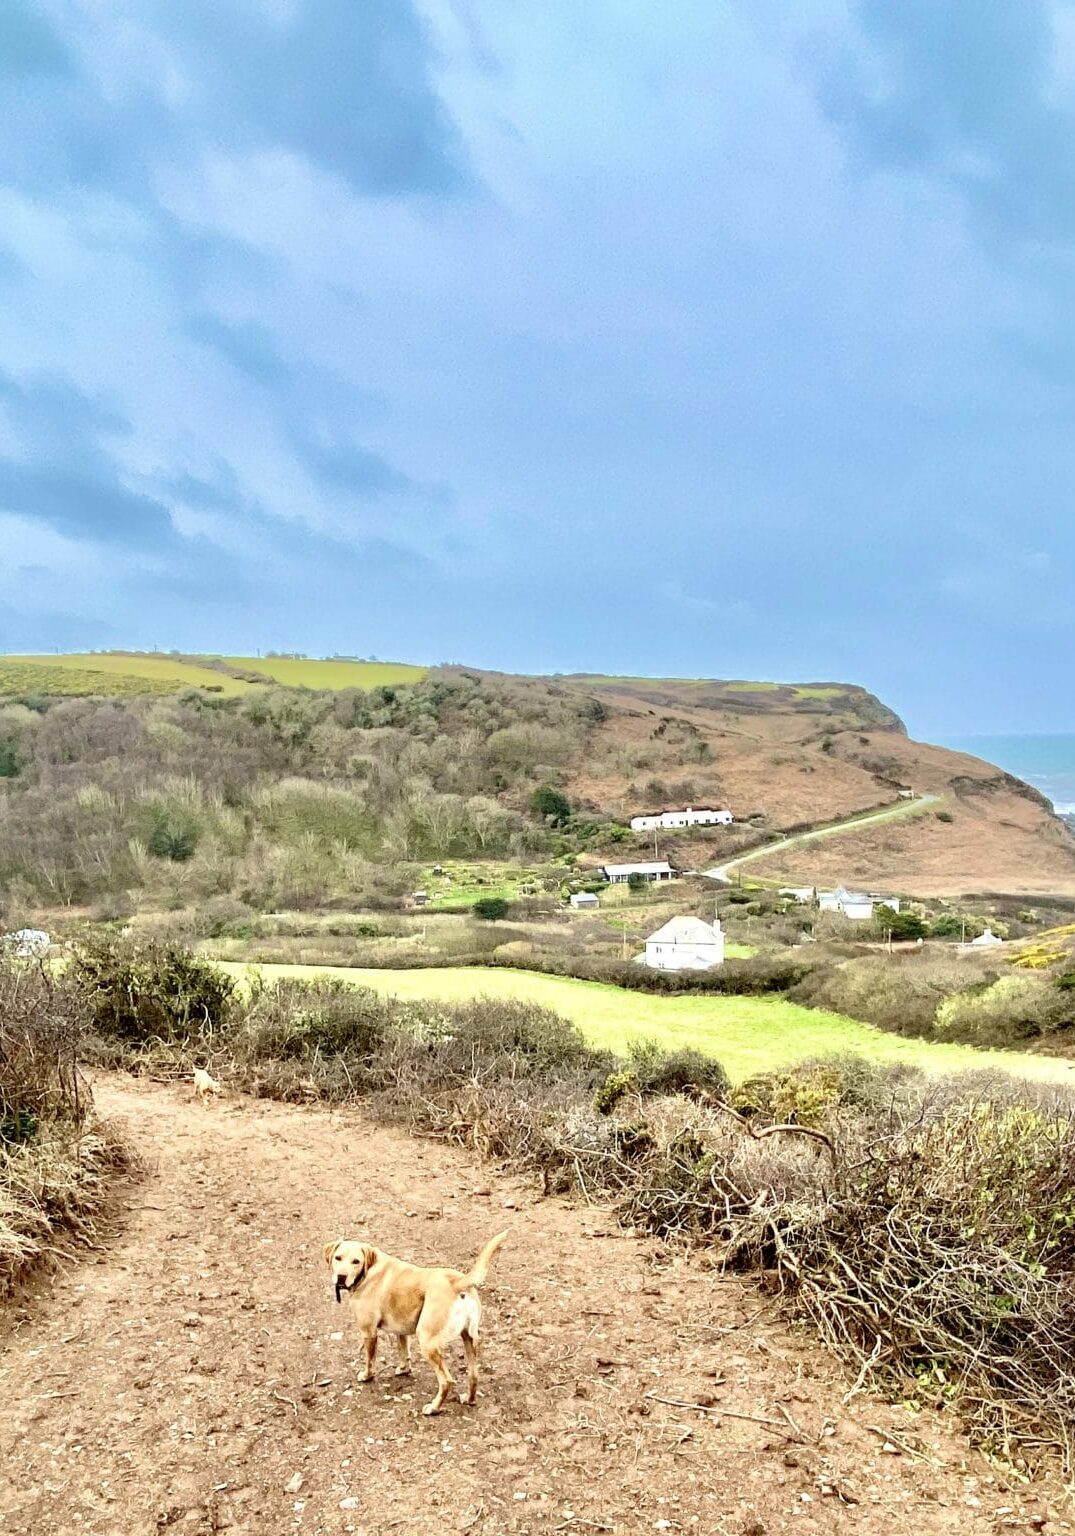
(195, 1375)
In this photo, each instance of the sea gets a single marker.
(1047, 762)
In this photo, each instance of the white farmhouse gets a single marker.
(583, 900)
(852, 904)
(619, 874)
(684, 944)
(986, 940)
(688, 818)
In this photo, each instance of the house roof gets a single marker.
(662, 868)
(841, 893)
(683, 930)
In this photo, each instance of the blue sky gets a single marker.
(727, 338)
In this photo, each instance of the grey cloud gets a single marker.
(28, 45)
(67, 477)
(248, 346)
(346, 86)
(965, 94)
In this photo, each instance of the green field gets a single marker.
(747, 1034)
(115, 674)
(305, 672)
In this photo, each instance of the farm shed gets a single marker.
(619, 874)
(584, 900)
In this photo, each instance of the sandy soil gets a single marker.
(194, 1374)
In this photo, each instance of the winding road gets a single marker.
(723, 872)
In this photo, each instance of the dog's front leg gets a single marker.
(370, 1343)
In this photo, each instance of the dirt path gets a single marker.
(723, 872)
(194, 1375)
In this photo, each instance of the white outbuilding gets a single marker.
(655, 869)
(684, 944)
(584, 900)
(986, 940)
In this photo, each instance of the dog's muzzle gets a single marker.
(341, 1286)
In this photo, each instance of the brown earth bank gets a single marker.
(194, 1374)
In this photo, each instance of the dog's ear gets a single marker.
(330, 1251)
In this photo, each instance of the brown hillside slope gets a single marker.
(792, 756)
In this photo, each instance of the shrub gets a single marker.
(491, 908)
(550, 804)
(616, 1086)
(174, 837)
(296, 1020)
(685, 1071)
(637, 881)
(901, 925)
(52, 1162)
(138, 994)
(1017, 1007)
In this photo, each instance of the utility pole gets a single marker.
(624, 952)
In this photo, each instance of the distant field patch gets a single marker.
(802, 691)
(81, 677)
(748, 1034)
(752, 687)
(301, 672)
(114, 674)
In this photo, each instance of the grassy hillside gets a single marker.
(307, 672)
(121, 674)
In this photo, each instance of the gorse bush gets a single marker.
(53, 1162)
(299, 1020)
(140, 993)
(41, 1025)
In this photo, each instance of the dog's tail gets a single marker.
(485, 1258)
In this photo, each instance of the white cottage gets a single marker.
(583, 900)
(986, 940)
(688, 818)
(684, 944)
(853, 904)
(619, 874)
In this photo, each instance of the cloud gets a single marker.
(248, 346)
(67, 477)
(965, 91)
(347, 87)
(340, 465)
(28, 45)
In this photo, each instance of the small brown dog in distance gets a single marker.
(205, 1087)
(435, 1305)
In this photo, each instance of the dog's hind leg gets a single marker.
(404, 1366)
(370, 1342)
(445, 1383)
(470, 1349)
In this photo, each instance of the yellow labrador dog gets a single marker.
(436, 1305)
